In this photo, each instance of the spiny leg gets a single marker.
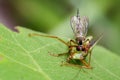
(57, 55)
(35, 34)
(72, 41)
(89, 57)
(86, 65)
(75, 65)
(87, 44)
(70, 56)
(92, 44)
(70, 64)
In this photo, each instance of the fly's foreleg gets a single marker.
(35, 34)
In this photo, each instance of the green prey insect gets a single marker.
(79, 48)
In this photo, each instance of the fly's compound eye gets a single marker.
(79, 48)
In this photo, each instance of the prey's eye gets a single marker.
(79, 48)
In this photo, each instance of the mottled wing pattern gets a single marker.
(79, 25)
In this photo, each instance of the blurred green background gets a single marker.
(53, 17)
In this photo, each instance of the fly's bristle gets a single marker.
(77, 12)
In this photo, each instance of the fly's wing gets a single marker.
(84, 23)
(79, 25)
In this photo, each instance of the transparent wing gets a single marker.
(79, 25)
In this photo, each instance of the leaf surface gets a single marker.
(27, 58)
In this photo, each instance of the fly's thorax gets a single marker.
(80, 40)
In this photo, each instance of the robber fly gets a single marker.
(81, 46)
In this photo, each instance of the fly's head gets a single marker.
(79, 26)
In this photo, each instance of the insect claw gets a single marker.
(87, 67)
(77, 12)
(62, 63)
(55, 55)
(30, 35)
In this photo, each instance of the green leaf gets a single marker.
(27, 58)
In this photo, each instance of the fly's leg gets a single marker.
(70, 45)
(70, 64)
(35, 34)
(87, 43)
(69, 58)
(58, 55)
(86, 65)
(75, 65)
(72, 41)
(92, 44)
(89, 57)
(69, 52)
